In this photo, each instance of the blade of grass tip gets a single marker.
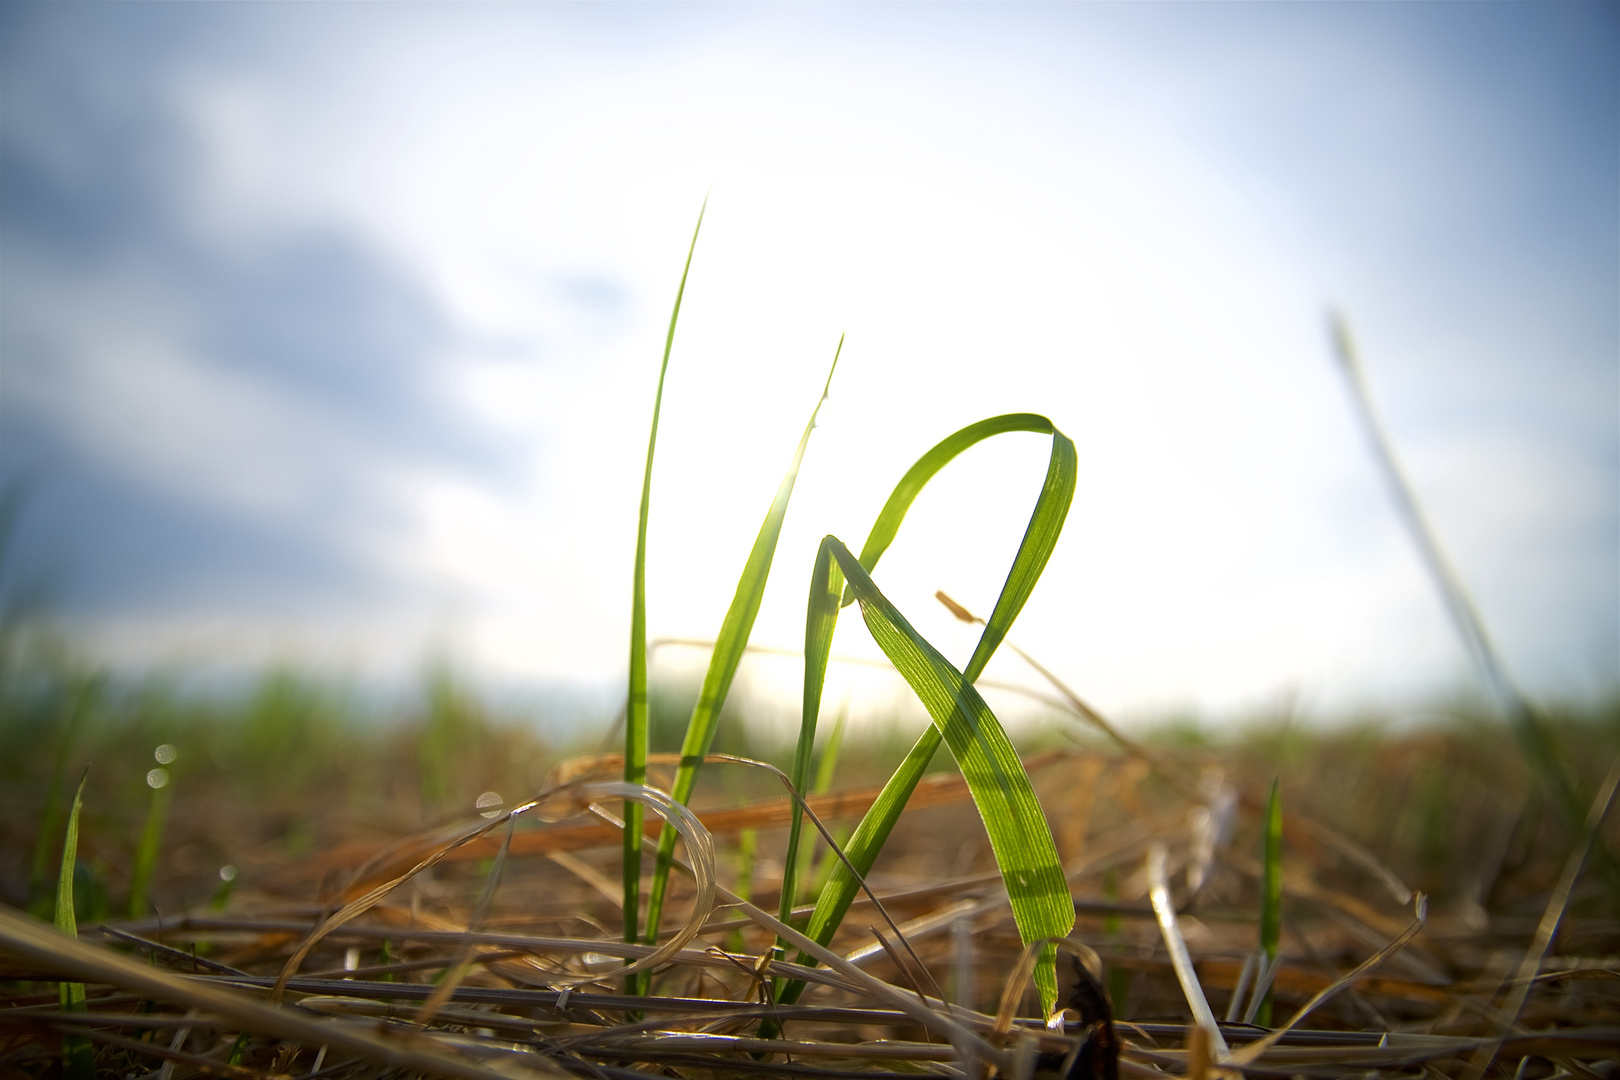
(151, 842)
(1530, 966)
(1271, 893)
(1533, 735)
(729, 645)
(39, 904)
(1040, 537)
(635, 718)
(1013, 988)
(78, 1056)
(1176, 945)
(1249, 1054)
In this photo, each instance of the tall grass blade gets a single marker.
(1040, 538)
(1533, 735)
(1019, 837)
(78, 1057)
(635, 719)
(727, 654)
(1271, 895)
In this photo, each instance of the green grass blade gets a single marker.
(1040, 538)
(635, 718)
(151, 843)
(821, 618)
(826, 766)
(1271, 892)
(1019, 836)
(78, 1057)
(729, 645)
(39, 896)
(66, 921)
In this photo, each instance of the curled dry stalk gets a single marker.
(573, 800)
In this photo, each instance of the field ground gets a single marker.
(281, 807)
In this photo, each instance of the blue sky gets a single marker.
(328, 334)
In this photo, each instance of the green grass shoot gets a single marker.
(795, 889)
(78, 708)
(1271, 893)
(1020, 838)
(151, 842)
(729, 646)
(78, 1056)
(1019, 835)
(635, 717)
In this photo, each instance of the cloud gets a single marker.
(203, 418)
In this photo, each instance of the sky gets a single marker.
(329, 334)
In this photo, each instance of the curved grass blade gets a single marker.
(635, 719)
(1019, 835)
(1040, 537)
(78, 1056)
(727, 654)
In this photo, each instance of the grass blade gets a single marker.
(635, 719)
(78, 1056)
(83, 695)
(821, 617)
(1019, 836)
(1040, 537)
(151, 842)
(1532, 732)
(1271, 894)
(727, 654)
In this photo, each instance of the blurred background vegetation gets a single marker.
(292, 764)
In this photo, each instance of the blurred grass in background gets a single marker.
(294, 764)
